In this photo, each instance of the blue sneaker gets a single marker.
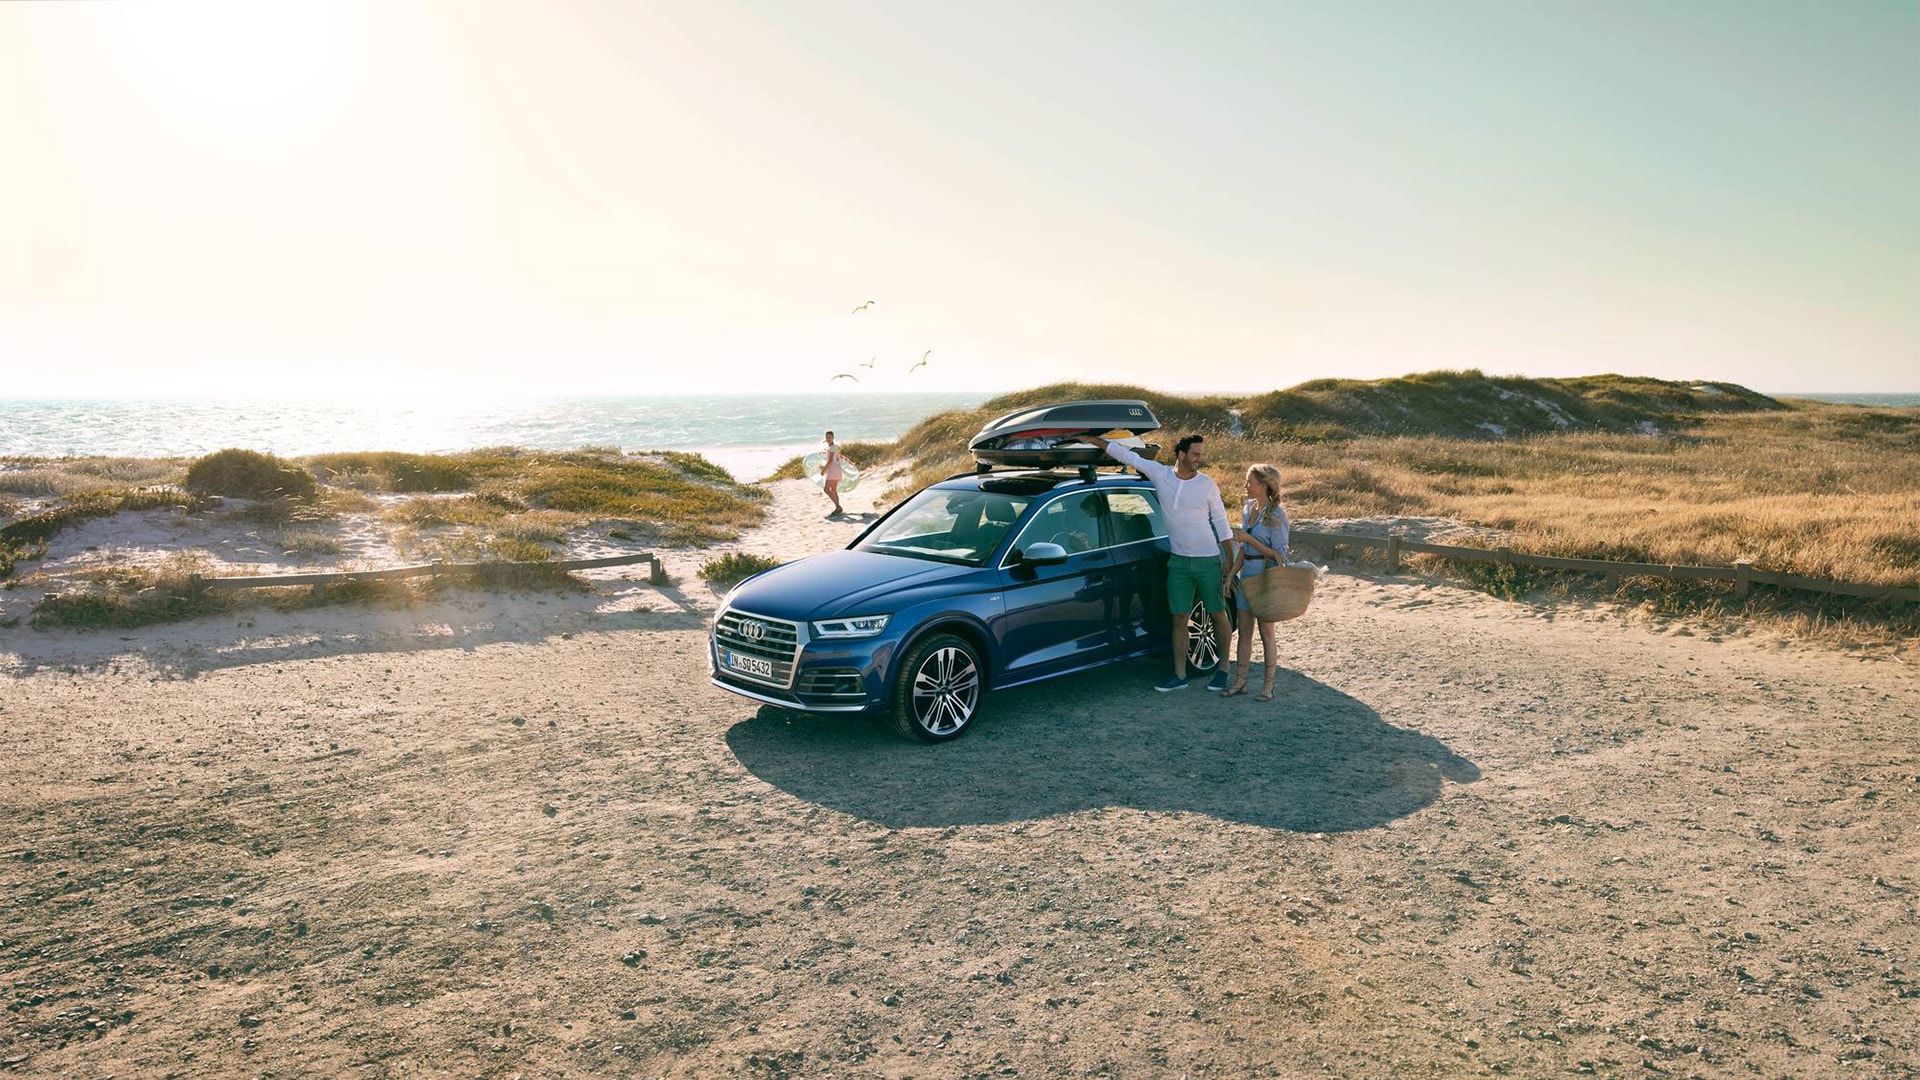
(1219, 681)
(1174, 682)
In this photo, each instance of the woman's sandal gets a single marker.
(1265, 694)
(1239, 687)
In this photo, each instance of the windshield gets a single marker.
(950, 526)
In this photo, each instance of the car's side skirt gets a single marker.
(1031, 679)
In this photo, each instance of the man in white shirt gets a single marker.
(1198, 532)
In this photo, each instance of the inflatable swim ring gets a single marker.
(814, 462)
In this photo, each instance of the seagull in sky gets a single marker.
(870, 361)
(842, 375)
(863, 307)
(922, 363)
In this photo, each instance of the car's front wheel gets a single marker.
(1203, 645)
(938, 692)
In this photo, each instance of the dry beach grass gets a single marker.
(1822, 491)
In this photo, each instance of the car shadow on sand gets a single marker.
(1313, 760)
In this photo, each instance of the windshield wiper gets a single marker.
(922, 553)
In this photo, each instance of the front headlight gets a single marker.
(864, 626)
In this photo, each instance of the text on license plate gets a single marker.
(750, 665)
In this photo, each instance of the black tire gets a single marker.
(1203, 648)
(937, 693)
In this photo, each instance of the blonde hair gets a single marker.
(1268, 479)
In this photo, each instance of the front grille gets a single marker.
(773, 640)
(845, 684)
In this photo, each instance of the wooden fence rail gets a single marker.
(657, 573)
(1742, 573)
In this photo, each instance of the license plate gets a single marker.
(749, 665)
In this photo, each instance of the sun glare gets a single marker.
(234, 61)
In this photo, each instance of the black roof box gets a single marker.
(1073, 417)
(1050, 435)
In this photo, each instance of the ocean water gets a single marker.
(750, 434)
(1887, 401)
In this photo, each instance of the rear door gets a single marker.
(1139, 561)
(1058, 617)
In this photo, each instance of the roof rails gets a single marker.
(1088, 473)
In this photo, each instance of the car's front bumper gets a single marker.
(770, 696)
(830, 676)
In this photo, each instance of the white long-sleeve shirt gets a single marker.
(1196, 518)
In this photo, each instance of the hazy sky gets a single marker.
(500, 197)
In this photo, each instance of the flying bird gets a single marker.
(863, 307)
(870, 362)
(842, 375)
(922, 363)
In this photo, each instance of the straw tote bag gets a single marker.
(1280, 593)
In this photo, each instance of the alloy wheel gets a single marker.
(1203, 647)
(946, 690)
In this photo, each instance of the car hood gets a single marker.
(843, 583)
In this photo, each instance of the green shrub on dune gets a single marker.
(393, 471)
(249, 474)
(734, 567)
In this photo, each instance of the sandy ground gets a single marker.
(521, 836)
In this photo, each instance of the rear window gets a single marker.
(1134, 516)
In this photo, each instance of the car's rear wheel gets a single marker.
(938, 692)
(1203, 645)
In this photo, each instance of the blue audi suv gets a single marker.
(981, 582)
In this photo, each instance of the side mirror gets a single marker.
(1043, 554)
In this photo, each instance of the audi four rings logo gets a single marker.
(753, 631)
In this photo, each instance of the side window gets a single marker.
(1134, 516)
(1073, 522)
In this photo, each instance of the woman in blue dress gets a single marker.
(1262, 545)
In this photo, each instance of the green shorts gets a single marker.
(1190, 574)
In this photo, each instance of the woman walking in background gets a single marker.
(1262, 545)
(830, 474)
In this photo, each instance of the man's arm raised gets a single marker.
(1124, 455)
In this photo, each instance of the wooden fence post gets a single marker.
(195, 584)
(1393, 554)
(1742, 577)
(657, 575)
